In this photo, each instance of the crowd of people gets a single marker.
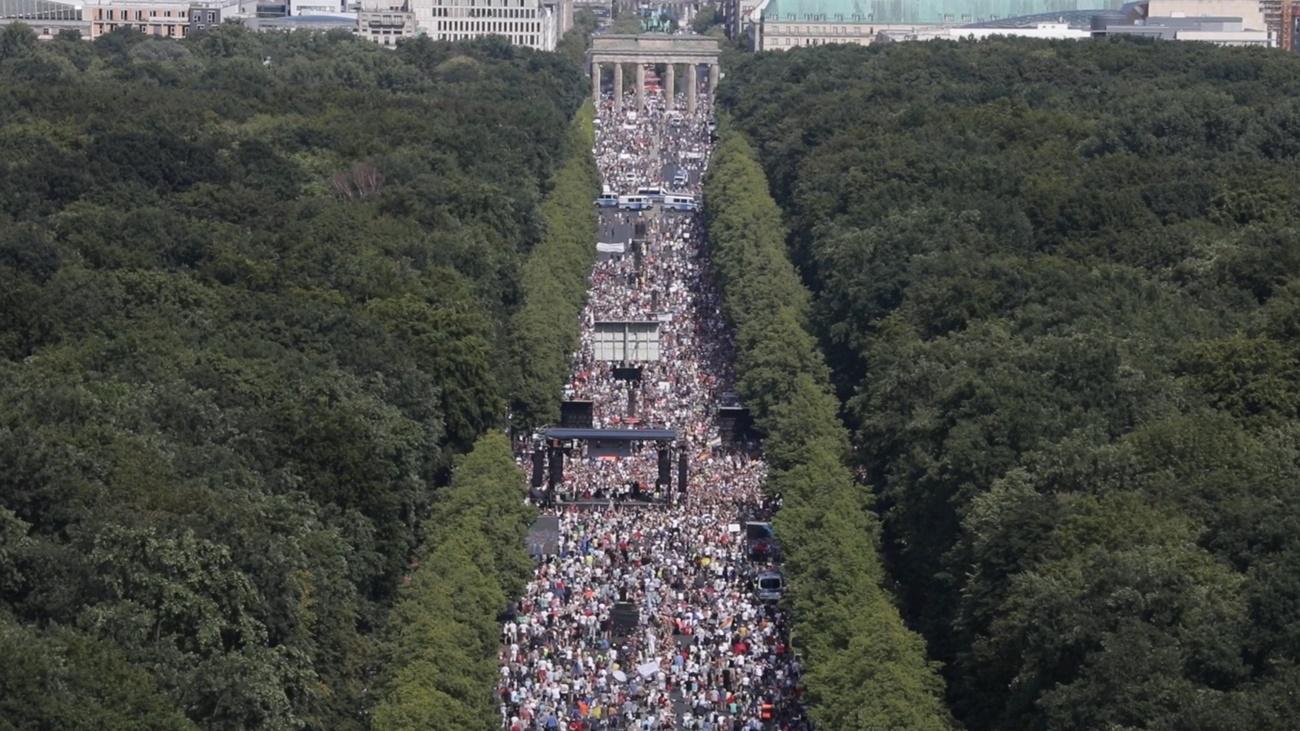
(646, 617)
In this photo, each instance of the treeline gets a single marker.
(255, 293)
(863, 668)
(441, 659)
(554, 282)
(1059, 286)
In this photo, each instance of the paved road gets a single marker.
(617, 225)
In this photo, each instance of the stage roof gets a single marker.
(612, 435)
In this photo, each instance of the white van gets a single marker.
(769, 586)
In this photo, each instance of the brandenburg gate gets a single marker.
(648, 48)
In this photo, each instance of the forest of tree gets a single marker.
(1058, 288)
(256, 292)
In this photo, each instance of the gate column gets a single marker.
(618, 87)
(692, 85)
(640, 87)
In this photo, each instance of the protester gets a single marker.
(706, 654)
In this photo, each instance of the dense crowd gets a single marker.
(703, 652)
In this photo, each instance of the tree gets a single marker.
(1055, 286)
(232, 391)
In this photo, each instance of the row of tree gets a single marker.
(555, 282)
(254, 296)
(441, 657)
(1058, 286)
(864, 668)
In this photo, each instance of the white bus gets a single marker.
(679, 202)
(634, 202)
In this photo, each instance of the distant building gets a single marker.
(290, 23)
(386, 21)
(318, 7)
(162, 18)
(785, 24)
(1251, 12)
(1050, 31)
(779, 24)
(533, 23)
(1219, 31)
(47, 18)
(203, 17)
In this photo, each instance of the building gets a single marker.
(788, 24)
(532, 23)
(203, 17)
(781, 24)
(1048, 31)
(1216, 30)
(162, 18)
(1251, 12)
(386, 21)
(318, 7)
(165, 18)
(47, 18)
(314, 23)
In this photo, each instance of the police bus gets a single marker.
(654, 195)
(634, 202)
(679, 202)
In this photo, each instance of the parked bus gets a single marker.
(679, 202)
(654, 195)
(634, 202)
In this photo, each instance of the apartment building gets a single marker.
(46, 18)
(385, 21)
(533, 23)
(166, 19)
(163, 18)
